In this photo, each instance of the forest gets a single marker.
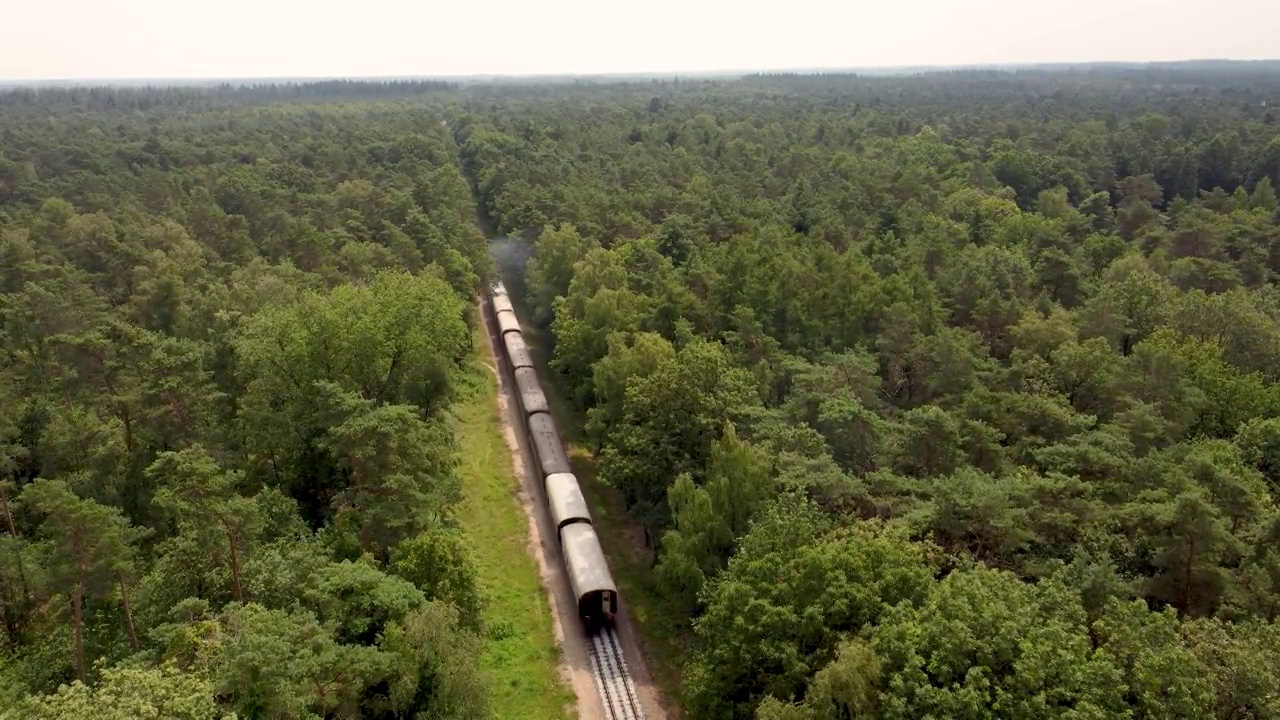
(949, 396)
(952, 395)
(232, 329)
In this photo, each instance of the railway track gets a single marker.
(613, 680)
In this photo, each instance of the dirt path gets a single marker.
(543, 544)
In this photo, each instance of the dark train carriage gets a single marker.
(564, 496)
(502, 303)
(517, 351)
(532, 399)
(507, 322)
(547, 446)
(589, 574)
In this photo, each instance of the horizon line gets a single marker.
(160, 80)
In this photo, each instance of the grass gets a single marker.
(520, 653)
(664, 634)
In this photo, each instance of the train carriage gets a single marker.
(564, 497)
(517, 351)
(502, 303)
(589, 575)
(547, 446)
(507, 322)
(532, 399)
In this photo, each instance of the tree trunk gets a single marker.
(1186, 577)
(236, 593)
(25, 590)
(362, 537)
(128, 427)
(8, 514)
(128, 615)
(77, 630)
(10, 611)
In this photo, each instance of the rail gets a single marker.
(613, 680)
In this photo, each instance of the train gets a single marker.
(589, 576)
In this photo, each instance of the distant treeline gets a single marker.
(107, 98)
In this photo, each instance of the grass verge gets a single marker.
(520, 652)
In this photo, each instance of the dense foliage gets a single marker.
(232, 323)
(943, 396)
(954, 395)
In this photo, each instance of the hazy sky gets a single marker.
(49, 39)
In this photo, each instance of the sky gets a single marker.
(119, 39)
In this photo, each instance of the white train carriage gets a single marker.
(517, 351)
(547, 447)
(507, 322)
(589, 574)
(564, 496)
(532, 399)
(502, 303)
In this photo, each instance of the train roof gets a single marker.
(588, 569)
(517, 350)
(532, 399)
(546, 444)
(507, 322)
(564, 495)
